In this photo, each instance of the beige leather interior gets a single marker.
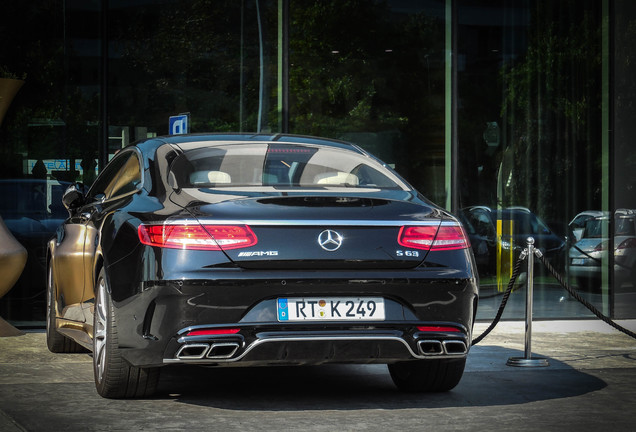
(336, 178)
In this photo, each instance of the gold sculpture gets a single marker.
(13, 257)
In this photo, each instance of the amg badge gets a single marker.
(258, 253)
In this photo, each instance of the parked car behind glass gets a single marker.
(481, 225)
(577, 225)
(589, 254)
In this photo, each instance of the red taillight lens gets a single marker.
(447, 237)
(197, 237)
(417, 237)
(232, 236)
(213, 332)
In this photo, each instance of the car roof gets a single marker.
(244, 138)
(619, 213)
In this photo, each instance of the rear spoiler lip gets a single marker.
(317, 222)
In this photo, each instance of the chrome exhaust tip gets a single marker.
(430, 347)
(192, 351)
(453, 347)
(222, 350)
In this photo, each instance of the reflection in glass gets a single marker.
(530, 132)
(49, 135)
(372, 73)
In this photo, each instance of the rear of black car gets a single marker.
(249, 251)
(354, 269)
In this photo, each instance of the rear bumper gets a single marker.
(370, 345)
(153, 325)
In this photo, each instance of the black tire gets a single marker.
(115, 377)
(56, 342)
(438, 375)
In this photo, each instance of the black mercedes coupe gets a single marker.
(256, 250)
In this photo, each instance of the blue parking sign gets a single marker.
(179, 124)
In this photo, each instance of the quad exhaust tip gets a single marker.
(192, 351)
(222, 350)
(430, 347)
(218, 350)
(439, 348)
(455, 347)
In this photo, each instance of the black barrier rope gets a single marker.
(566, 286)
(504, 300)
(585, 303)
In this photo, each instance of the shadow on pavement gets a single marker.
(352, 387)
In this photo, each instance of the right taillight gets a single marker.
(444, 237)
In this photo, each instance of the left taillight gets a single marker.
(446, 237)
(197, 237)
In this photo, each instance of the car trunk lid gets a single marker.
(320, 232)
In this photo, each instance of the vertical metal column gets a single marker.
(528, 360)
(283, 66)
(102, 154)
(451, 154)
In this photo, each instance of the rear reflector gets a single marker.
(438, 329)
(197, 237)
(447, 237)
(213, 332)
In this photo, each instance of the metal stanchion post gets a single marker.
(528, 360)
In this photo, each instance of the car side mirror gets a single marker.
(74, 197)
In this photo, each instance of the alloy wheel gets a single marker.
(100, 330)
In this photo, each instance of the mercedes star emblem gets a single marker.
(330, 240)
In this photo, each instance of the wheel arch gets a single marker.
(99, 265)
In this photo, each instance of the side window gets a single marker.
(122, 175)
(103, 182)
(127, 177)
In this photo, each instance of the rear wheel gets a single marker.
(56, 342)
(114, 376)
(438, 375)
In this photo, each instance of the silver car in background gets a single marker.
(588, 254)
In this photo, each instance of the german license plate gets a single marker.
(331, 309)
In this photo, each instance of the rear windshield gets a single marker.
(281, 166)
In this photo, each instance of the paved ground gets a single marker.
(590, 385)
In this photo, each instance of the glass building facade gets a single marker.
(516, 115)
